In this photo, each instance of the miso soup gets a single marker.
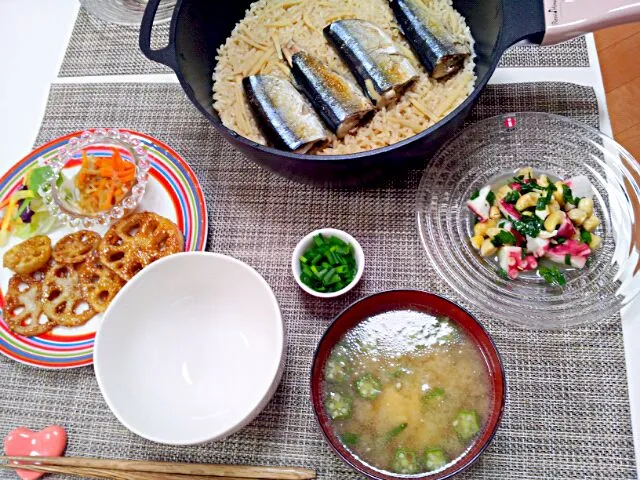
(407, 392)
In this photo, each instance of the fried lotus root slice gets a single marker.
(64, 299)
(99, 282)
(23, 307)
(125, 258)
(28, 256)
(76, 247)
(138, 240)
(162, 238)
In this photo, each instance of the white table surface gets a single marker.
(33, 38)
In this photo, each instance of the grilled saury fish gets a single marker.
(382, 70)
(440, 53)
(339, 101)
(285, 113)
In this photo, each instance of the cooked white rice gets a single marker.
(254, 48)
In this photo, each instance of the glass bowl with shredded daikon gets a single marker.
(98, 177)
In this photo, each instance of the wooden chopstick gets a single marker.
(98, 473)
(192, 469)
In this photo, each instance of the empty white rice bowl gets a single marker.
(191, 349)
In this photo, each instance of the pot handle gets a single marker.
(522, 20)
(567, 19)
(165, 55)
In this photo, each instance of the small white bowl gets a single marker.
(191, 350)
(307, 242)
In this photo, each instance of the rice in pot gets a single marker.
(254, 47)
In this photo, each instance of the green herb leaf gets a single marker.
(491, 197)
(560, 240)
(567, 195)
(475, 195)
(350, 439)
(503, 273)
(567, 259)
(38, 177)
(585, 236)
(503, 238)
(526, 186)
(552, 275)
(512, 197)
(529, 225)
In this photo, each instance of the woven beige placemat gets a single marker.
(99, 48)
(573, 53)
(567, 412)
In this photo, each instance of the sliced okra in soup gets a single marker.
(368, 387)
(339, 406)
(338, 367)
(466, 424)
(434, 459)
(405, 461)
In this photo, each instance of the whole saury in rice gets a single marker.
(339, 101)
(286, 114)
(439, 52)
(382, 70)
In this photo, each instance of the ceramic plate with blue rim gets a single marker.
(173, 191)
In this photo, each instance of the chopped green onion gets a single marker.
(585, 237)
(475, 195)
(567, 259)
(491, 197)
(394, 432)
(433, 393)
(329, 265)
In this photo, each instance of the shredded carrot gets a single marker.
(104, 181)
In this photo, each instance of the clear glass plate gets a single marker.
(498, 146)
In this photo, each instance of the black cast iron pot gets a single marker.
(199, 27)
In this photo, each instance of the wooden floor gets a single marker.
(619, 51)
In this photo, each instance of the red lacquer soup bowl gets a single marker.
(433, 305)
